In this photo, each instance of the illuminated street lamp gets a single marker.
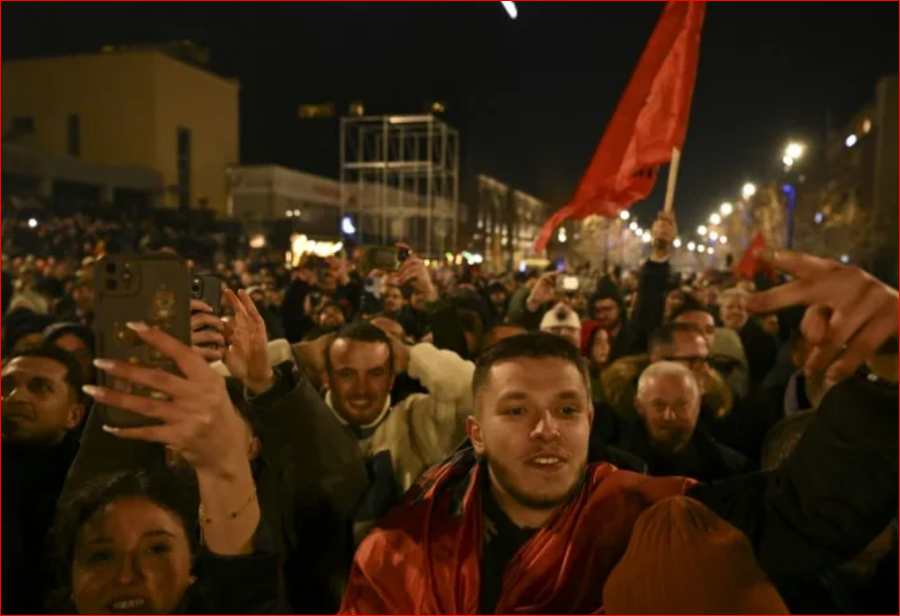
(749, 190)
(647, 238)
(677, 242)
(625, 215)
(714, 236)
(633, 226)
(691, 246)
(723, 240)
(727, 209)
(702, 230)
(715, 219)
(795, 151)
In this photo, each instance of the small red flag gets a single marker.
(650, 122)
(752, 264)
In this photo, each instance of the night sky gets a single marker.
(531, 97)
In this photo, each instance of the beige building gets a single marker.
(136, 109)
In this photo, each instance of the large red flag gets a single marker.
(649, 124)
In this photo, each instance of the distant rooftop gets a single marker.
(186, 51)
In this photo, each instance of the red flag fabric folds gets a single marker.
(751, 264)
(650, 122)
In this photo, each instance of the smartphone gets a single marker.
(208, 288)
(153, 289)
(569, 284)
(385, 258)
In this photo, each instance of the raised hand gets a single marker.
(246, 353)
(196, 417)
(852, 317)
(415, 273)
(543, 292)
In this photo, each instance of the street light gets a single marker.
(511, 9)
(715, 219)
(633, 226)
(727, 209)
(723, 240)
(692, 246)
(749, 190)
(625, 215)
(711, 250)
(714, 236)
(647, 238)
(794, 151)
(677, 242)
(702, 230)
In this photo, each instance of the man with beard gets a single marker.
(398, 442)
(629, 336)
(498, 301)
(667, 437)
(42, 406)
(521, 524)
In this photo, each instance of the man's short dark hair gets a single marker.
(665, 335)
(533, 345)
(74, 372)
(361, 331)
(691, 305)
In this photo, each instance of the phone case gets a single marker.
(208, 288)
(153, 289)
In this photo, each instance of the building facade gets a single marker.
(137, 109)
(505, 225)
(848, 209)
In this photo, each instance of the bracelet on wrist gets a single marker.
(207, 521)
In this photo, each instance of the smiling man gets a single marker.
(520, 523)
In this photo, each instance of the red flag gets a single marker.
(751, 264)
(650, 122)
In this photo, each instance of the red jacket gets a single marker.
(425, 557)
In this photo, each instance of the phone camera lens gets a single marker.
(110, 268)
(196, 289)
(112, 285)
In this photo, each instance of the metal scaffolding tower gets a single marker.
(400, 181)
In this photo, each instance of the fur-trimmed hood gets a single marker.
(620, 380)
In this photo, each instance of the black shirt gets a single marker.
(502, 541)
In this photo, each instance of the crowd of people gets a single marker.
(447, 440)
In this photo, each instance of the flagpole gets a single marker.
(673, 181)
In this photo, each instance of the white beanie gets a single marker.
(560, 316)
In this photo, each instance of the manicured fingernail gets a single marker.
(93, 392)
(110, 429)
(138, 327)
(104, 364)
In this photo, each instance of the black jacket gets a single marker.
(832, 497)
(310, 479)
(704, 459)
(32, 482)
